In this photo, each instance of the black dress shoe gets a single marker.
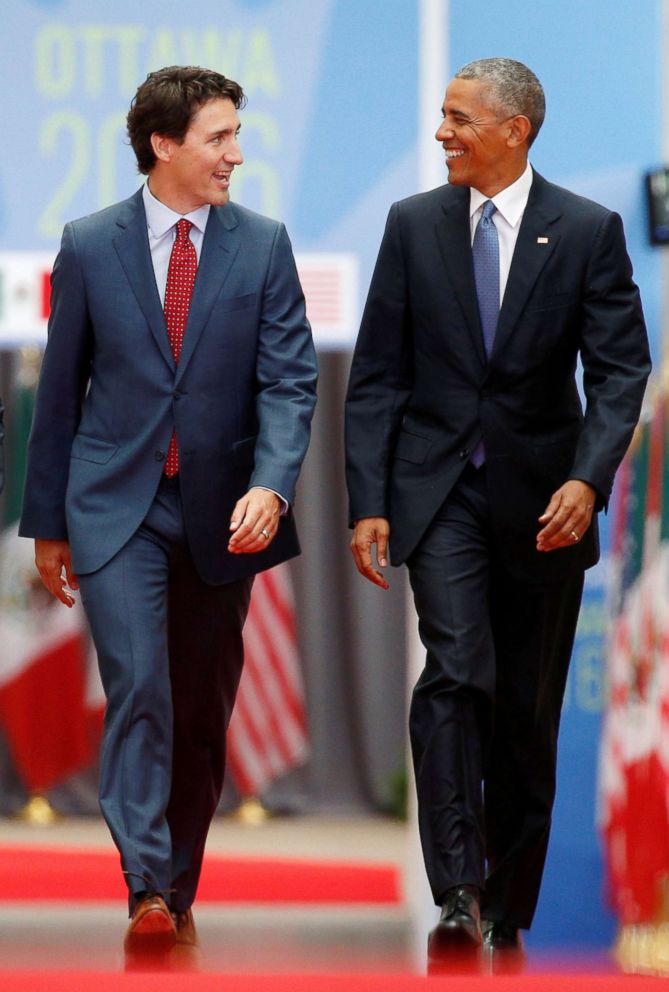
(501, 936)
(459, 929)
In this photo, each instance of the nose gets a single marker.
(233, 156)
(444, 132)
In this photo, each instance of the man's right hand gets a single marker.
(51, 557)
(367, 532)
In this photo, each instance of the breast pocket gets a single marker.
(236, 303)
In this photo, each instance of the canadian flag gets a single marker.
(42, 672)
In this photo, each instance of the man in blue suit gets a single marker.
(171, 423)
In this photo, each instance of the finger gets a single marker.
(362, 552)
(56, 586)
(250, 532)
(382, 550)
(72, 580)
(561, 521)
(552, 508)
(238, 513)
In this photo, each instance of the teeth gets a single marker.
(454, 152)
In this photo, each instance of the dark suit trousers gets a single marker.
(170, 653)
(485, 711)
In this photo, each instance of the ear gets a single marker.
(519, 130)
(162, 147)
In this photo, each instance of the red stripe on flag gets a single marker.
(42, 713)
(267, 735)
(46, 295)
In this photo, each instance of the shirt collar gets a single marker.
(510, 202)
(160, 218)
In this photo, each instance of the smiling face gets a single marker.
(198, 170)
(484, 149)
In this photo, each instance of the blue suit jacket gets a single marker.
(110, 394)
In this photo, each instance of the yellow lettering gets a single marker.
(206, 48)
(65, 123)
(108, 147)
(163, 50)
(259, 69)
(589, 679)
(93, 37)
(55, 61)
(129, 38)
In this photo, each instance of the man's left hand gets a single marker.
(254, 521)
(567, 516)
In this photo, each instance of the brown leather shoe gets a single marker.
(151, 929)
(185, 927)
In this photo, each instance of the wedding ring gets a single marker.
(574, 535)
(265, 534)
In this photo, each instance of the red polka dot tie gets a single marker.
(178, 291)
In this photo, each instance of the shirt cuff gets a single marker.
(284, 502)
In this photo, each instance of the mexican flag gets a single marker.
(46, 687)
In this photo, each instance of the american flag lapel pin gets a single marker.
(542, 241)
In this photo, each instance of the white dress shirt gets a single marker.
(510, 203)
(161, 222)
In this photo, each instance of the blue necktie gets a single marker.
(485, 252)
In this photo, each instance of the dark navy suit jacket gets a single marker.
(110, 394)
(422, 393)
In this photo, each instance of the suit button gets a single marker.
(464, 453)
(160, 456)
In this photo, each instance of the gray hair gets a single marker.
(513, 89)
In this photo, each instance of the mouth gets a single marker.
(223, 178)
(452, 153)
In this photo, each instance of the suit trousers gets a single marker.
(170, 653)
(485, 711)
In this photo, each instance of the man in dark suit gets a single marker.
(172, 418)
(468, 450)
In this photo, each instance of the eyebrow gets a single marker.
(225, 130)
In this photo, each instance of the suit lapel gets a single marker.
(219, 248)
(132, 247)
(454, 238)
(537, 240)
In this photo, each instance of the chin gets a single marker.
(455, 180)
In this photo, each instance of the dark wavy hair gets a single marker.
(166, 102)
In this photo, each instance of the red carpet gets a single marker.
(89, 875)
(202, 982)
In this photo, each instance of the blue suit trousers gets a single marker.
(170, 653)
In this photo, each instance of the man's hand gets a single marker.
(254, 521)
(369, 531)
(51, 557)
(567, 516)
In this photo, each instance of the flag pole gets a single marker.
(432, 79)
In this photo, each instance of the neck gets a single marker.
(503, 182)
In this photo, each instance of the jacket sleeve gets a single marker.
(286, 373)
(615, 358)
(63, 379)
(380, 381)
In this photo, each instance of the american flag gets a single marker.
(268, 731)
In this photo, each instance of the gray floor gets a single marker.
(248, 938)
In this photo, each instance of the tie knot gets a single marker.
(184, 226)
(489, 209)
